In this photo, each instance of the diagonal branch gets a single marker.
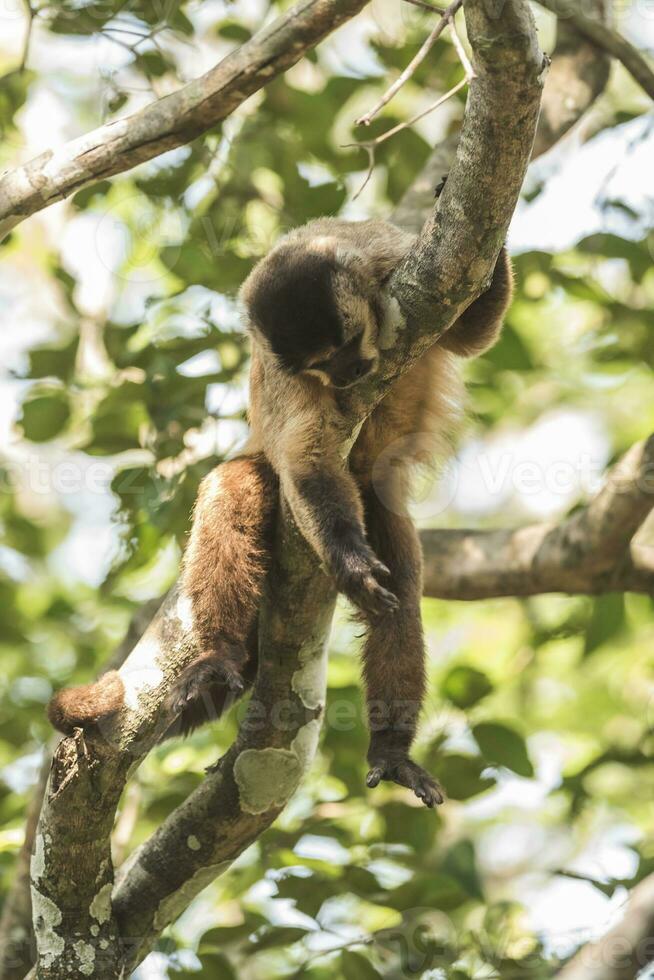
(578, 75)
(609, 40)
(174, 120)
(588, 553)
(626, 949)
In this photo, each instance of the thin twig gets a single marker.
(28, 35)
(370, 145)
(411, 68)
(461, 51)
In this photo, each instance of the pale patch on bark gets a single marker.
(140, 674)
(37, 866)
(308, 681)
(305, 743)
(184, 612)
(46, 919)
(391, 325)
(86, 956)
(265, 778)
(193, 843)
(100, 908)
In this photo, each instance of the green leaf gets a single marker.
(356, 966)
(465, 686)
(215, 966)
(503, 746)
(44, 416)
(607, 621)
(278, 936)
(461, 864)
(461, 776)
(54, 362)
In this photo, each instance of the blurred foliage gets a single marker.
(128, 370)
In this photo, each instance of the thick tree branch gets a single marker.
(589, 553)
(174, 120)
(577, 76)
(626, 949)
(602, 36)
(72, 871)
(255, 779)
(16, 933)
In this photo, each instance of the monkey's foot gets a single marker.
(198, 676)
(406, 772)
(359, 581)
(207, 672)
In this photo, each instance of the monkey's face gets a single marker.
(314, 316)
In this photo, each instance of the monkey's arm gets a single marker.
(326, 505)
(479, 326)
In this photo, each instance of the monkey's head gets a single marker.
(314, 312)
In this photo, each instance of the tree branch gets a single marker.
(622, 952)
(577, 76)
(602, 36)
(174, 120)
(16, 933)
(589, 553)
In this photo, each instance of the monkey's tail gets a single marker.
(87, 706)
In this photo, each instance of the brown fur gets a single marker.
(354, 516)
(87, 706)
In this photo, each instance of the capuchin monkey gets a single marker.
(316, 307)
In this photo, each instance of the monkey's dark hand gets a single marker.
(358, 578)
(405, 772)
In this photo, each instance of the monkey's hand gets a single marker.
(404, 771)
(358, 577)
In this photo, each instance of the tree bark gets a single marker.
(626, 949)
(591, 552)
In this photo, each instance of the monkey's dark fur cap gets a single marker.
(293, 298)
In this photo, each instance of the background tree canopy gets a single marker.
(125, 383)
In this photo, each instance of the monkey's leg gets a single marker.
(224, 571)
(394, 658)
(209, 687)
(225, 567)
